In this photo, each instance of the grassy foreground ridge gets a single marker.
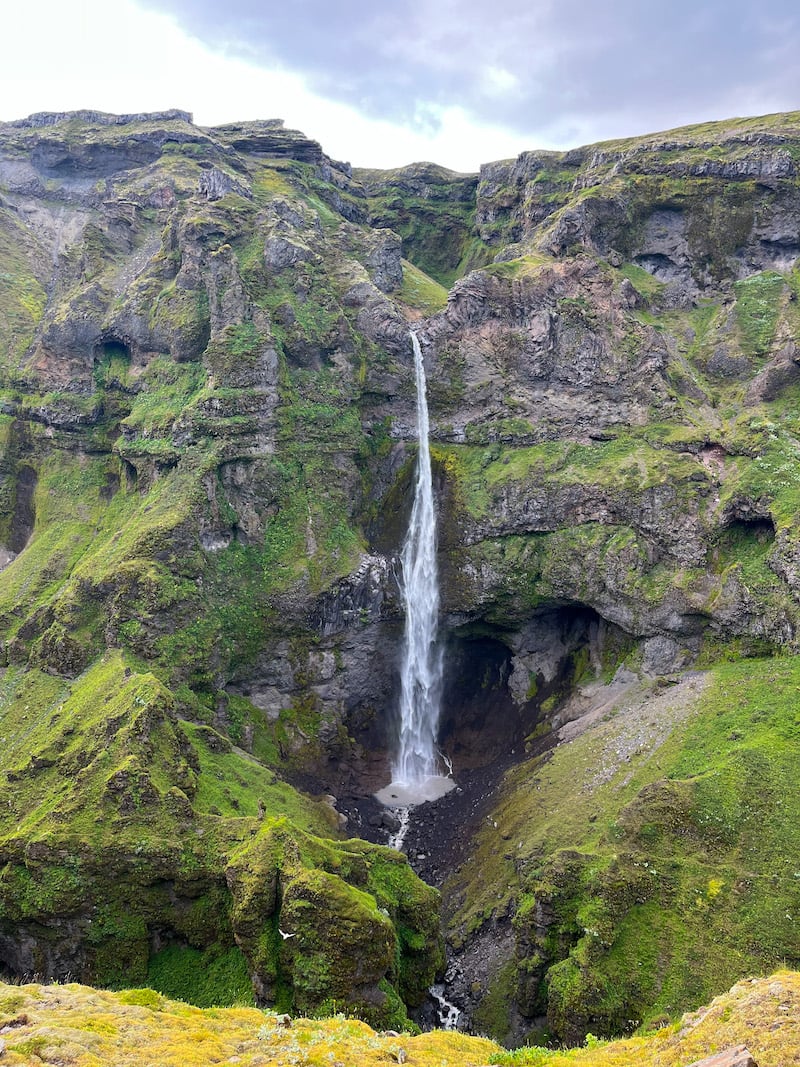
(77, 1025)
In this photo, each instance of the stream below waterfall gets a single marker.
(448, 1013)
(436, 838)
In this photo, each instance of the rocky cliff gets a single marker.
(207, 439)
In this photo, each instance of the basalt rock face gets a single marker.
(183, 461)
(207, 428)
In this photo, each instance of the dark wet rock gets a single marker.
(782, 371)
(216, 183)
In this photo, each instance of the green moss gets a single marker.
(151, 813)
(310, 538)
(511, 430)
(141, 998)
(183, 312)
(353, 923)
(167, 388)
(758, 300)
(234, 346)
(623, 464)
(33, 1046)
(747, 548)
(212, 978)
(664, 875)
(436, 225)
(232, 786)
(491, 1017)
(118, 938)
(521, 267)
(339, 933)
(58, 886)
(47, 740)
(771, 474)
(112, 371)
(414, 910)
(644, 282)
(720, 224)
(273, 179)
(421, 292)
(22, 294)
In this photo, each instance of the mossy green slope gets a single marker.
(131, 825)
(169, 358)
(433, 210)
(648, 862)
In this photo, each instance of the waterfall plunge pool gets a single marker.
(409, 794)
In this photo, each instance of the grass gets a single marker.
(759, 1013)
(52, 729)
(666, 873)
(209, 979)
(101, 771)
(165, 827)
(521, 267)
(421, 292)
(166, 388)
(83, 1027)
(22, 295)
(758, 305)
(626, 463)
(437, 227)
(644, 282)
(771, 474)
(232, 786)
(748, 549)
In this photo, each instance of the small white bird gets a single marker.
(285, 936)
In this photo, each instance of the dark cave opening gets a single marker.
(759, 528)
(501, 690)
(505, 693)
(657, 264)
(112, 359)
(746, 536)
(24, 517)
(479, 717)
(499, 686)
(131, 475)
(112, 349)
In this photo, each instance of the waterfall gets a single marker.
(421, 672)
(416, 774)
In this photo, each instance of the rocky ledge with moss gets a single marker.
(207, 441)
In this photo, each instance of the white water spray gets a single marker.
(416, 775)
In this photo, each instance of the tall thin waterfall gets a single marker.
(421, 675)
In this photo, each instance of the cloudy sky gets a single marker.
(385, 83)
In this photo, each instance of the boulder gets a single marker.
(739, 1056)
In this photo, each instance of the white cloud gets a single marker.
(496, 81)
(120, 58)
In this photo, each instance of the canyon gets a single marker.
(208, 449)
